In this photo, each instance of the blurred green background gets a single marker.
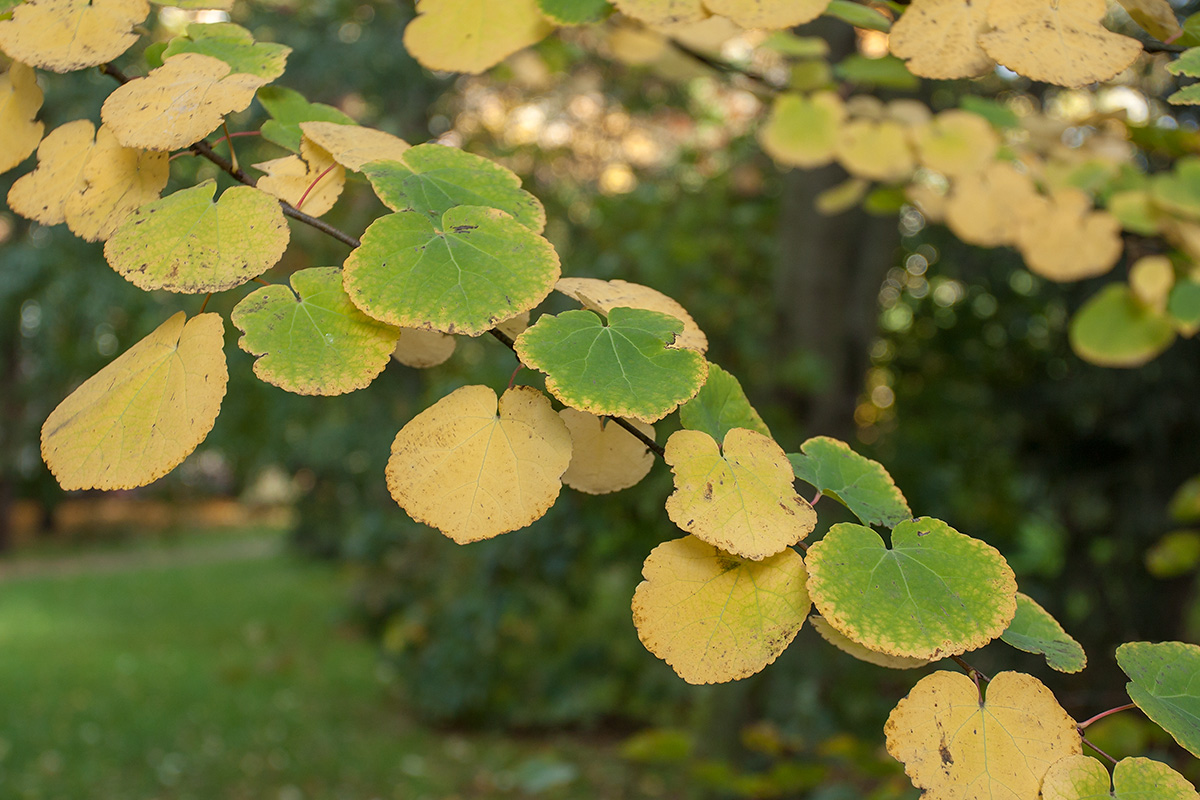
(352, 653)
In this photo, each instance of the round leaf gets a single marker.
(803, 130)
(66, 35)
(605, 457)
(1085, 778)
(20, 99)
(714, 617)
(740, 500)
(117, 181)
(40, 195)
(940, 38)
(234, 45)
(855, 481)
(720, 406)
(622, 369)
(1113, 329)
(463, 274)
(1035, 631)
(474, 474)
(351, 145)
(187, 243)
(423, 349)
(139, 417)
(603, 296)
(935, 593)
(957, 746)
(311, 338)
(575, 12)
(472, 35)
(1164, 684)
(862, 653)
(772, 14)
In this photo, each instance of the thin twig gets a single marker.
(1097, 749)
(967, 668)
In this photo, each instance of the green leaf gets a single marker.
(935, 593)
(1187, 96)
(1136, 212)
(187, 243)
(622, 369)
(855, 481)
(721, 406)
(1164, 685)
(234, 45)
(313, 340)
(463, 274)
(288, 109)
(1185, 503)
(1178, 191)
(1188, 63)
(434, 178)
(1177, 553)
(1114, 329)
(1035, 631)
(787, 43)
(997, 113)
(888, 72)
(858, 15)
(575, 12)
(1085, 778)
(1184, 302)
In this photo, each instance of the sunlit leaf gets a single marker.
(1114, 329)
(738, 497)
(940, 38)
(803, 130)
(841, 198)
(117, 181)
(862, 653)
(662, 12)
(575, 12)
(1164, 685)
(177, 104)
(432, 179)
(1178, 191)
(1085, 778)
(288, 109)
(1155, 17)
(878, 150)
(472, 35)
(234, 45)
(603, 296)
(312, 177)
(66, 35)
(605, 457)
(859, 15)
(622, 369)
(473, 473)
(855, 481)
(1151, 279)
(887, 72)
(715, 617)
(187, 243)
(40, 195)
(462, 274)
(986, 209)
(770, 14)
(1136, 212)
(1177, 553)
(721, 406)
(1035, 631)
(423, 349)
(1188, 63)
(956, 143)
(20, 99)
(353, 146)
(139, 417)
(1067, 240)
(956, 746)
(934, 593)
(310, 338)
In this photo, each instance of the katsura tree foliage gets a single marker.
(462, 252)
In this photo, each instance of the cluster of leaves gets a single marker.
(462, 254)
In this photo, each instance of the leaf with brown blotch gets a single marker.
(66, 35)
(117, 181)
(41, 194)
(940, 38)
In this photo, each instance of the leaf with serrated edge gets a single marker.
(473, 473)
(770, 14)
(940, 38)
(715, 617)
(354, 146)
(41, 194)
(310, 338)
(20, 99)
(187, 243)
(423, 349)
(855, 481)
(1164, 681)
(1035, 631)
(117, 181)
(312, 176)
(957, 747)
(472, 35)
(234, 45)
(462, 274)
(603, 296)
(720, 406)
(178, 103)
(605, 457)
(862, 653)
(139, 417)
(738, 498)
(1085, 778)
(934, 593)
(66, 35)
(433, 178)
(622, 369)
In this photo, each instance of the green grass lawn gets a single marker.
(218, 668)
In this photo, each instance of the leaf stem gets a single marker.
(1083, 725)
(229, 139)
(204, 305)
(313, 185)
(816, 497)
(967, 668)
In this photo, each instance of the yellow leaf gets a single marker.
(1068, 241)
(662, 12)
(512, 328)
(474, 474)
(803, 131)
(771, 14)
(1156, 17)
(20, 99)
(178, 103)
(956, 747)
(66, 35)
(714, 617)
(939, 38)
(604, 456)
(1061, 42)
(117, 181)
(636, 45)
(603, 296)
(140, 416)
(860, 651)
(1151, 278)
(312, 176)
(423, 349)
(40, 195)
(956, 143)
(354, 145)
(985, 209)
(472, 35)
(741, 501)
(878, 150)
